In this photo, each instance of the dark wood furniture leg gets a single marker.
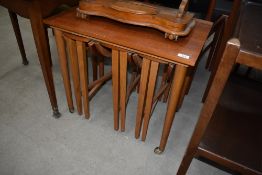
(18, 36)
(175, 91)
(41, 42)
(223, 72)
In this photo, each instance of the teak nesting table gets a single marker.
(148, 43)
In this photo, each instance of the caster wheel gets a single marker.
(158, 151)
(56, 113)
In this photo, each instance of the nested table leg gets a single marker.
(71, 44)
(64, 68)
(142, 94)
(115, 80)
(119, 76)
(177, 85)
(41, 41)
(18, 36)
(123, 81)
(83, 69)
(149, 96)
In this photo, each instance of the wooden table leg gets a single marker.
(41, 42)
(64, 67)
(123, 81)
(83, 70)
(71, 44)
(177, 85)
(115, 80)
(149, 97)
(18, 36)
(142, 94)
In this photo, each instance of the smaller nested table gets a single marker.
(148, 43)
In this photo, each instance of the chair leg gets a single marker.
(19, 39)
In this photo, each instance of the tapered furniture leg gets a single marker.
(18, 36)
(41, 41)
(142, 94)
(115, 79)
(177, 85)
(71, 44)
(184, 90)
(123, 81)
(83, 70)
(149, 97)
(64, 67)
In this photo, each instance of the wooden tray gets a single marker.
(174, 22)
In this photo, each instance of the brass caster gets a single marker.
(158, 151)
(72, 110)
(56, 113)
(171, 36)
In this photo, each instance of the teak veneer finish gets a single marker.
(148, 43)
(174, 22)
(144, 41)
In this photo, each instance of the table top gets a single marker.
(134, 38)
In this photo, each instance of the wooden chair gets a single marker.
(36, 11)
(238, 149)
(241, 129)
